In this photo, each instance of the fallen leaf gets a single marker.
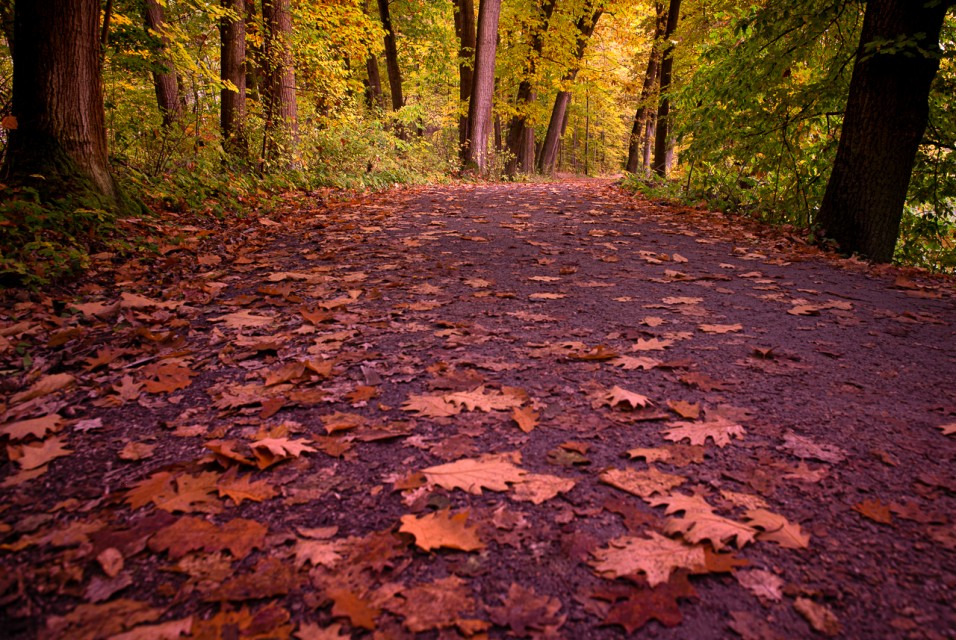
(721, 431)
(528, 614)
(537, 488)
(478, 400)
(244, 320)
(948, 429)
(805, 448)
(630, 363)
(819, 616)
(442, 530)
(33, 456)
(766, 586)
(720, 328)
(472, 475)
(431, 406)
(35, 427)
(136, 451)
(653, 344)
(618, 397)
(270, 451)
(170, 630)
(656, 557)
(44, 387)
(238, 489)
(777, 528)
(526, 418)
(641, 483)
(643, 604)
(434, 605)
(875, 510)
(688, 410)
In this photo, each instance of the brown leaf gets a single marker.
(656, 556)
(526, 418)
(875, 510)
(777, 528)
(168, 377)
(435, 605)
(618, 397)
(136, 451)
(89, 621)
(766, 586)
(629, 363)
(527, 613)
(537, 488)
(494, 472)
(442, 530)
(359, 611)
(34, 456)
(478, 400)
(641, 483)
(239, 536)
(819, 616)
(170, 630)
(720, 431)
(720, 328)
(243, 488)
(641, 605)
(35, 427)
(270, 451)
(687, 410)
(430, 406)
(44, 387)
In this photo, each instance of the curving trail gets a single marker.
(549, 410)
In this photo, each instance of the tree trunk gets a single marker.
(663, 133)
(483, 85)
(886, 116)
(549, 150)
(391, 57)
(649, 132)
(59, 145)
(232, 115)
(373, 85)
(650, 81)
(520, 133)
(282, 129)
(164, 81)
(6, 23)
(465, 30)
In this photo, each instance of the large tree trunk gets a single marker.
(391, 57)
(373, 84)
(465, 30)
(520, 133)
(640, 125)
(232, 114)
(663, 134)
(164, 81)
(282, 129)
(483, 85)
(884, 122)
(549, 150)
(59, 145)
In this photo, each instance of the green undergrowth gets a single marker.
(927, 234)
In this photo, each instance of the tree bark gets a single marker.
(465, 30)
(373, 83)
(232, 115)
(391, 57)
(885, 118)
(164, 81)
(639, 128)
(663, 133)
(520, 133)
(282, 128)
(483, 85)
(59, 145)
(549, 150)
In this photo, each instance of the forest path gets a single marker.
(312, 367)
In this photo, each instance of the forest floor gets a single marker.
(548, 410)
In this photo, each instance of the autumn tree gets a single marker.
(232, 114)
(59, 147)
(280, 98)
(520, 139)
(465, 32)
(885, 118)
(584, 27)
(662, 136)
(391, 57)
(165, 82)
(483, 85)
(643, 123)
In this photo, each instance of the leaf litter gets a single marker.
(277, 435)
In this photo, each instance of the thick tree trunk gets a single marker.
(59, 145)
(373, 83)
(282, 128)
(520, 133)
(640, 127)
(483, 85)
(164, 81)
(391, 57)
(663, 134)
(549, 150)
(884, 122)
(465, 30)
(232, 115)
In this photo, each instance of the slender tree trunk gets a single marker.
(520, 133)
(886, 116)
(650, 81)
(465, 30)
(391, 57)
(59, 145)
(232, 115)
(483, 85)
(164, 81)
(256, 64)
(649, 131)
(663, 133)
(373, 83)
(282, 128)
(549, 150)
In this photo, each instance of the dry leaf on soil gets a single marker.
(656, 557)
(442, 530)
(537, 488)
(641, 483)
(474, 474)
(777, 528)
(720, 431)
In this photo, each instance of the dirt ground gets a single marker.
(525, 410)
